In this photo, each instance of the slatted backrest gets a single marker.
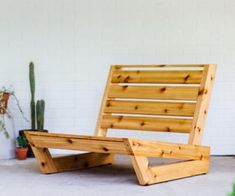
(168, 98)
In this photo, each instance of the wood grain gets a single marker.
(201, 110)
(153, 92)
(165, 77)
(147, 123)
(151, 108)
(178, 170)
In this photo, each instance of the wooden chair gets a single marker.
(167, 98)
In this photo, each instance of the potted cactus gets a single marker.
(37, 109)
(22, 149)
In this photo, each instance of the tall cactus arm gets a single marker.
(32, 90)
(40, 114)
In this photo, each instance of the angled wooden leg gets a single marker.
(44, 159)
(149, 175)
(141, 167)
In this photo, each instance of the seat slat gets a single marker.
(153, 92)
(167, 77)
(147, 123)
(151, 108)
(83, 143)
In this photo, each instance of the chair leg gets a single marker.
(48, 164)
(149, 175)
(45, 161)
(141, 167)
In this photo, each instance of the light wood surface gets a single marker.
(147, 123)
(99, 131)
(126, 146)
(151, 108)
(158, 66)
(178, 170)
(202, 104)
(165, 77)
(168, 150)
(182, 93)
(153, 92)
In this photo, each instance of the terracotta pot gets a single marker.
(4, 100)
(21, 153)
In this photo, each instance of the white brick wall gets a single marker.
(73, 42)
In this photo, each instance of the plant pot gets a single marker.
(4, 103)
(21, 153)
(30, 151)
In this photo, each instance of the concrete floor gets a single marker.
(22, 178)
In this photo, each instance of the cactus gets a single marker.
(40, 108)
(32, 90)
(37, 110)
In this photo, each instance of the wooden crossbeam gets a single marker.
(168, 150)
(75, 142)
(82, 161)
(178, 170)
(150, 175)
(118, 146)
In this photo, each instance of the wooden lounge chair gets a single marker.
(167, 98)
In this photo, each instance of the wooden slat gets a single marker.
(167, 77)
(74, 143)
(158, 65)
(168, 150)
(151, 108)
(147, 123)
(68, 136)
(126, 146)
(153, 92)
(178, 170)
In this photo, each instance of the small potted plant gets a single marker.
(22, 149)
(5, 94)
(7, 132)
